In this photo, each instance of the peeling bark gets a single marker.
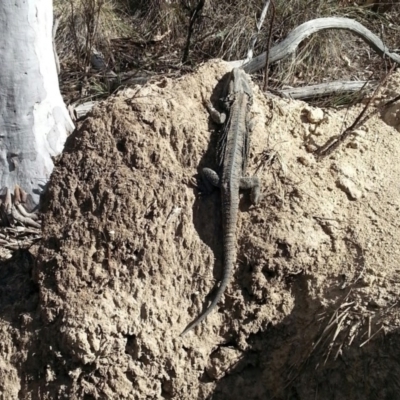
(34, 122)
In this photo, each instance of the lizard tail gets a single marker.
(213, 304)
(229, 259)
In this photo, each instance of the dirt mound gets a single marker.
(131, 254)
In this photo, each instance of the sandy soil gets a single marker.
(131, 253)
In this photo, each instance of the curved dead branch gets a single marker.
(325, 89)
(290, 44)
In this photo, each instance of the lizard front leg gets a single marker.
(252, 183)
(216, 116)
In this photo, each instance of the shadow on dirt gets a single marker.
(18, 292)
(280, 362)
(19, 319)
(300, 359)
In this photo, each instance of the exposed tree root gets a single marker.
(20, 229)
(13, 208)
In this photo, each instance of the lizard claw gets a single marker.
(202, 189)
(196, 183)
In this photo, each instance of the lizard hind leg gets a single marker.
(210, 179)
(252, 183)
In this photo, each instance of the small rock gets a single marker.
(222, 361)
(345, 169)
(359, 133)
(306, 161)
(367, 280)
(353, 145)
(318, 132)
(350, 188)
(377, 303)
(331, 227)
(311, 148)
(315, 115)
(392, 116)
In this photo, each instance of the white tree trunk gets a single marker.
(34, 122)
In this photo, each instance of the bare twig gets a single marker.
(194, 14)
(84, 26)
(74, 32)
(269, 46)
(334, 319)
(258, 26)
(371, 336)
(334, 143)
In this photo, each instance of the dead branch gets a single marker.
(290, 44)
(325, 89)
(287, 47)
(334, 143)
(194, 14)
(268, 47)
(83, 109)
(258, 26)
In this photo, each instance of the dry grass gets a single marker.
(96, 21)
(126, 32)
